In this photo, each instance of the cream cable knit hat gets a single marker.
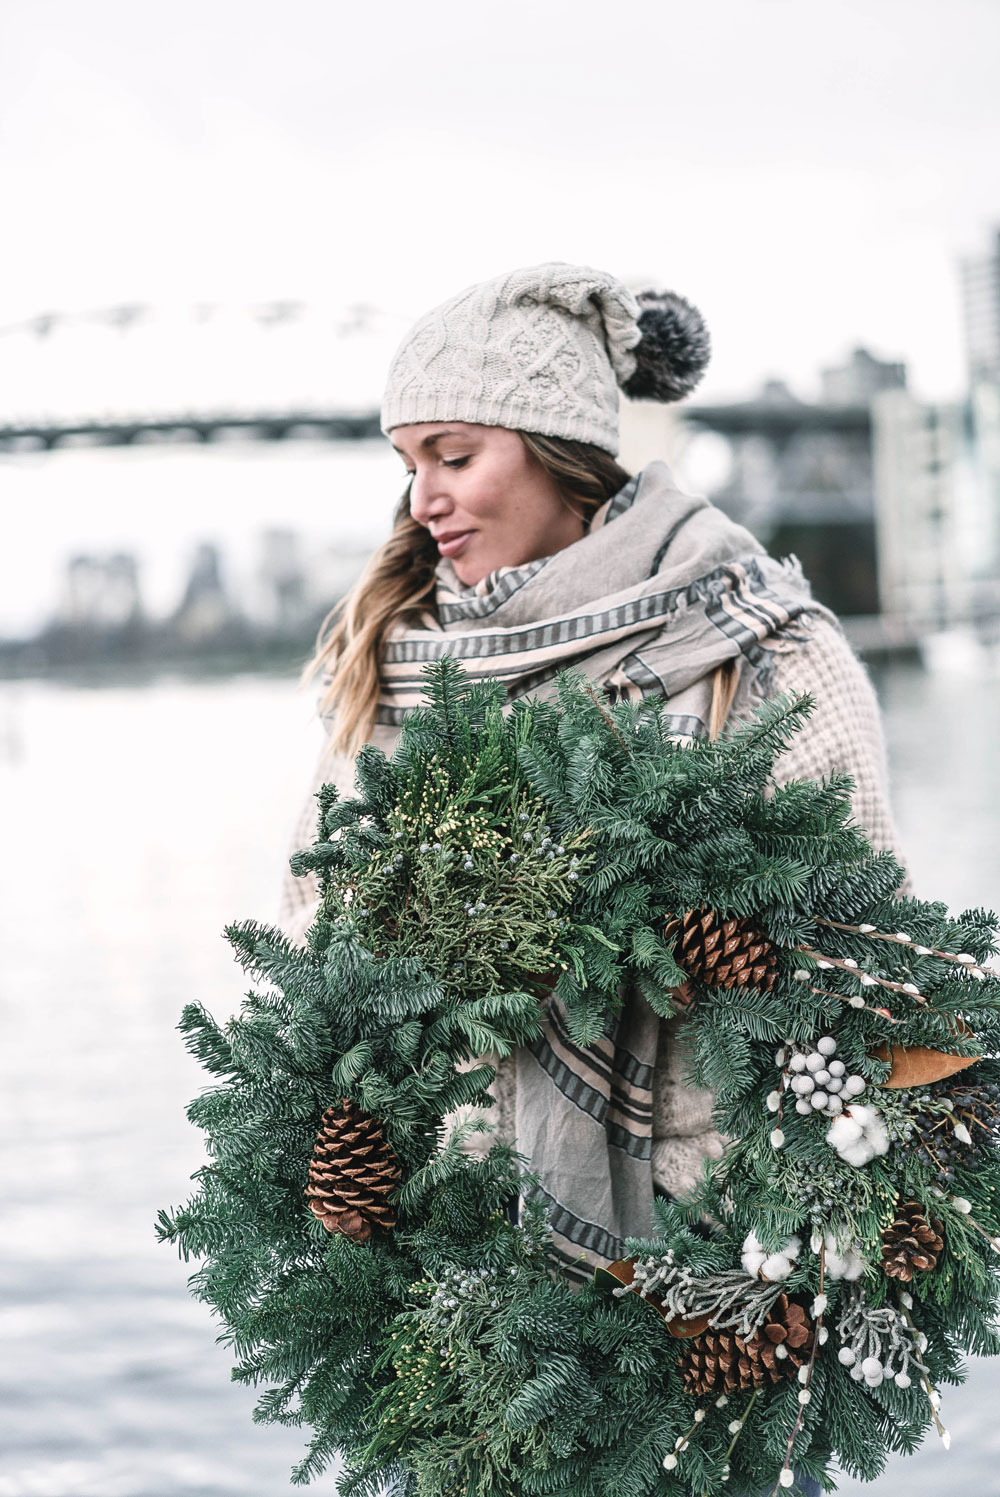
(543, 350)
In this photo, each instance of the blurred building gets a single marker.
(980, 275)
(205, 611)
(938, 480)
(101, 592)
(862, 378)
(282, 592)
(801, 475)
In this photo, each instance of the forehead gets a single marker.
(422, 435)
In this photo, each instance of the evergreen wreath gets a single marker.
(808, 1298)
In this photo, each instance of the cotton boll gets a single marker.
(842, 1263)
(773, 1266)
(855, 1266)
(776, 1267)
(835, 1265)
(844, 1131)
(752, 1255)
(878, 1136)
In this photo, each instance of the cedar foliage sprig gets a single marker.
(497, 850)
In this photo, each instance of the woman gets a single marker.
(521, 547)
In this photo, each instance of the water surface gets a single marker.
(137, 821)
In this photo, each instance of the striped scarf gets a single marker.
(661, 591)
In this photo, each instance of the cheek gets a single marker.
(509, 494)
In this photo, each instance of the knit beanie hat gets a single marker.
(543, 350)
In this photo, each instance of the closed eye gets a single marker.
(455, 462)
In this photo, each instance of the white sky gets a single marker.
(809, 174)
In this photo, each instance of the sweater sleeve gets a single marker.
(298, 900)
(843, 734)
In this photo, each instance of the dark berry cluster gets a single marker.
(952, 1124)
(817, 1186)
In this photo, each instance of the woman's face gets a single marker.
(486, 501)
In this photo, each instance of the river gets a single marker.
(137, 821)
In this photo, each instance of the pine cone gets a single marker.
(352, 1172)
(912, 1242)
(722, 953)
(722, 1362)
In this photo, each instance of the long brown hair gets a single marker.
(397, 586)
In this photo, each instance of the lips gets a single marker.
(451, 542)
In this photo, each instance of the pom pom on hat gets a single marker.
(674, 351)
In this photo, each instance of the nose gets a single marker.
(429, 499)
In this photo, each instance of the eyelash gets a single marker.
(449, 462)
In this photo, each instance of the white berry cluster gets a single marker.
(819, 1079)
(871, 1369)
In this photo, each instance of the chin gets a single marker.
(471, 572)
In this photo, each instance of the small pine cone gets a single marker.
(720, 1361)
(912, 1242)
(722, 953)
(352, 1172)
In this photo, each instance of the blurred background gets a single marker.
(219, 221)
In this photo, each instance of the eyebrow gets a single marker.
(426, 442)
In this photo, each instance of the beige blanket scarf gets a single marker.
(662, 591)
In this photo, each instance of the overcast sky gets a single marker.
(807, 173)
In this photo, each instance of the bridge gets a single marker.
(131, 431)
(135, 374)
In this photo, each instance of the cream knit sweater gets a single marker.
(843, 734)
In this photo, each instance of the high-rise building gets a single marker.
(981, 314)
(936, 506)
